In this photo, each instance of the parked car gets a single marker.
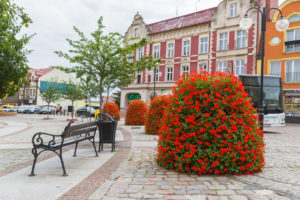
(46, 110)
(86, 112)
(8, 109)
(32, 109)
(21, 109)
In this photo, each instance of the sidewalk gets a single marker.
(132, 173)
(142, 178)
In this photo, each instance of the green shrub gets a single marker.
(210, 127)
(136, 111)
(155, 114)
(112, 110)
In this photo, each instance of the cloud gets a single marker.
(54, 20)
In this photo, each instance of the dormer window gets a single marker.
(136, 32)
(233, 10)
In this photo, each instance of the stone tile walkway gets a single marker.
(142, 178)
(132, 173)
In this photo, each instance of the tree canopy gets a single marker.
(13, 55)
(104, 58)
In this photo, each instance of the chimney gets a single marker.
(271, 4)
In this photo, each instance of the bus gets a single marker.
(272, 97)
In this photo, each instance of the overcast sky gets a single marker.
(53, 20)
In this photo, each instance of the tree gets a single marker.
(89, 89)
(50, 91)
(117, 98)
(13, 55)
(73, 93)
(104, 58)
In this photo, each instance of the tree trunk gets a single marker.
(90, 105)
(72, 110)
(107, 99)
(100, 85)
(48, 110)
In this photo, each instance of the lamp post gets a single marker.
(281, 25)
(154, 73)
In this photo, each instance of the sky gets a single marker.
(53, 21)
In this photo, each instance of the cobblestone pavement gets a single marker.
(142, 178)
(282, 170)
(139, 177)
(16, 148)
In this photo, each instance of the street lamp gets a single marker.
(281, 25)
(154, 73)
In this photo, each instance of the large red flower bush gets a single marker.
(112, 109)
(155, 114)
(136, 113)
(210, 127)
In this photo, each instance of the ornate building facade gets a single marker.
(210, 40)
(283, 55)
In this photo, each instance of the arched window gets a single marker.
(294, 18)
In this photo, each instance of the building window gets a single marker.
(156, 52)
(185, 70)
(26, 92)
(292, 71)
(130, 57)
(170, 74)
(155, 74)
(170, 50)
(275, 68)
(233, 10)
(222, 66)
(21, 93)
(239, 67)
(293, 41)
(204, 45)
(203, 67)
(140, 53)
(223, 41)
(295, 18)
(136, 32)
(186, 47)
(241, 39)
(139, 76)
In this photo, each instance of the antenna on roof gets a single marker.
(177, 11)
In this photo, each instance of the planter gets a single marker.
(5, 114)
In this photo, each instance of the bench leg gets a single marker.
(34, 152)
(75, 149)
(95, 147)
(62, 163)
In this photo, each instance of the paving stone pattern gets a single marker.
(142, 178)
(282, 170)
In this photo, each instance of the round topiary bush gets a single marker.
(112, 110)
(136, 113)
(210, 127)
(155, 114)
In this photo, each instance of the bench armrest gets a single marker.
(45, 139)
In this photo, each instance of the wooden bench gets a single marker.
(71, 135)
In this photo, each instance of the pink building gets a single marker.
(208, 39)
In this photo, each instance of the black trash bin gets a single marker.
(107, 130)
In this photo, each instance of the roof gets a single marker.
(39, 72)
(181, 21)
